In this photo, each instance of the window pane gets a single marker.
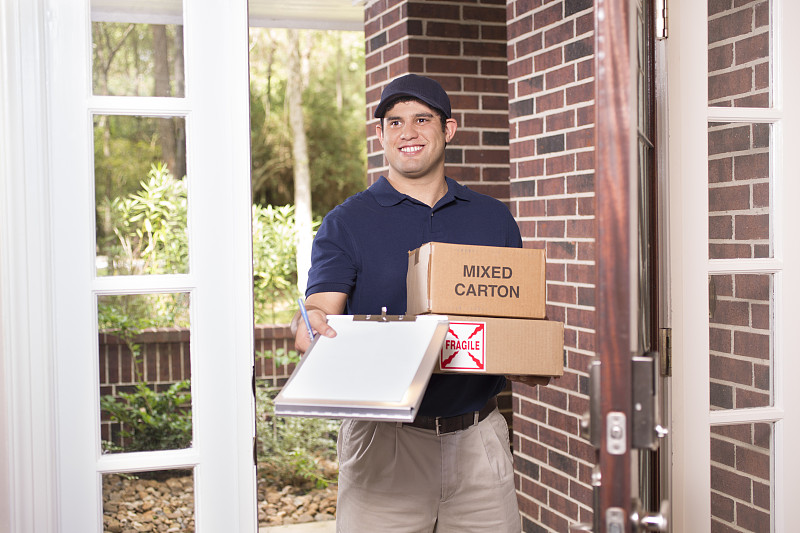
(740, 339)
(145, 372)
(739, 217)
(741, 477)
(149, 501)
(140, 195)
(739, 67)
(137, 59)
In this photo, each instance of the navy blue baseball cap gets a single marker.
(420, 87)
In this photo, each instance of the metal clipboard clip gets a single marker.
(383, 317)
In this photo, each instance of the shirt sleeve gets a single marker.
(333, 259)
(513, 236)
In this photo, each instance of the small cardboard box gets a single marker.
(502, 346)
(476, 280)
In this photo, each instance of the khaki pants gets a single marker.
(395, 478)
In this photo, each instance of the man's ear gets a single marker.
(450, 127)
(379, 133)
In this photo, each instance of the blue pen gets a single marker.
(304, 312)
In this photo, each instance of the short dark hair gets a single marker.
(401, 99)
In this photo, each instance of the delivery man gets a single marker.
(451, 469)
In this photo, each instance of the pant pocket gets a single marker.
(494, 434)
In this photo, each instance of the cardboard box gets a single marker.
(503, 346)
(476, 280)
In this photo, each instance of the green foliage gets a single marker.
(126, 315)
(152, 420)
(125, 149)
(333, 103)
(293, 450)
(274, 263)
(280, 356)
(150, 226)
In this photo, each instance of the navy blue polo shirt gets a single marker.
(361, 249)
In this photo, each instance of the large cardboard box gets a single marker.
(476, 280)
(502, 346)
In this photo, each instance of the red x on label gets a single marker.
(464, 347)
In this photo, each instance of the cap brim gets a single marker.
(380, 111)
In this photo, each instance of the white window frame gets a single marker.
(49, 411)
(690, 267)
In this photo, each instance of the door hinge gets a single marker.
(661, 19)
(665, 351)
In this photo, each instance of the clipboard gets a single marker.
(376, 368)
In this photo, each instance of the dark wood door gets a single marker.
(627, 284)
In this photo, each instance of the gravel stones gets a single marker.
(167, 505)
(290, 505)
(137, 505)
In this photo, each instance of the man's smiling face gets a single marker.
(413, 140)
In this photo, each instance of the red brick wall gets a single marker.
(740, 338)
(551, 114)
(738, 190)
(461, 44)
(738, 53)
(740, 477)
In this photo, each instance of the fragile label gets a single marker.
(464, 347)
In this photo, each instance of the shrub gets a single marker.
(150, 226)
(275, 263)
(152, 420)
(293, 450)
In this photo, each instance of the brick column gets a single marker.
(551, 114)
(462, 45)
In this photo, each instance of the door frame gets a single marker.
(690, 267)
(28, 497)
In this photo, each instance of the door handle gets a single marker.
(651, 521)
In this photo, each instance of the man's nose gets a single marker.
(409, 131)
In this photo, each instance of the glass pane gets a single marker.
(739, 40)
(140, 195)
(145, 372)
(137, 59)
(161, 500)
(739, 217)
(742, 478)
(740, 340)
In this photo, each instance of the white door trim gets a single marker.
(687, 151)
(28, 499)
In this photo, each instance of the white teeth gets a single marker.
(408, 149)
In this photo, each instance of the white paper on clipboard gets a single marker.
(376, 368)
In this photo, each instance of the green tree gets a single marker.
(333, 104)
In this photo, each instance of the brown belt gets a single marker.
(449, 424)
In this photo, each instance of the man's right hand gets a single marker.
(319, 306)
